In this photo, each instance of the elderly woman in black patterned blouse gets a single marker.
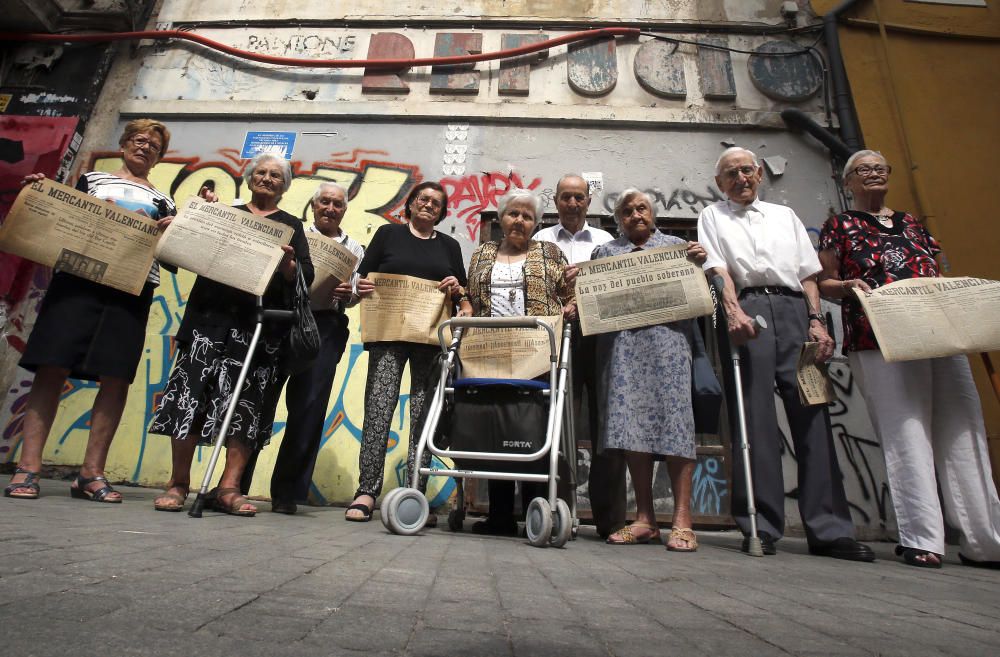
(213, 341)
(517, 276)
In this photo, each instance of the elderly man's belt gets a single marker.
(771, 289)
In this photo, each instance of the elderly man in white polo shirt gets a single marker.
(577, 240)
(769, 266)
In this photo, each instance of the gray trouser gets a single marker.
(769, 361)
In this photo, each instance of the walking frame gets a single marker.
(550, 520)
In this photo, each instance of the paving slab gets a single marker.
(80, 578)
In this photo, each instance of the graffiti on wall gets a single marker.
(377, 184)
(470, 196)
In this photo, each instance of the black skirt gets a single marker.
(90, 329)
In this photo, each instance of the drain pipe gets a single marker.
(850, 129)
(796, 118)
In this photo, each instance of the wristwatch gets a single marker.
(819, 318)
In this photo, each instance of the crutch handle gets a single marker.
(759, 323)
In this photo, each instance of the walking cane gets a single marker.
(261, 315)
(754, 548)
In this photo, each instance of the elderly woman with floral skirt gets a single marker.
(644, 391)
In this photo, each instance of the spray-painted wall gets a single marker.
(478, 145)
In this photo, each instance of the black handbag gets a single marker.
(302, 342)
(706, 391)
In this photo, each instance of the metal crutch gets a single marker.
(754, 548)
(199, 502)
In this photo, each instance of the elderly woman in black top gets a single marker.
(411, 249)
(213, 341)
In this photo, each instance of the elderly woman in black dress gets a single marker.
(411, 249)
(212, 343)
(92, 332)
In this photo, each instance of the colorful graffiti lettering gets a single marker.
(376, 189)
(470, 195)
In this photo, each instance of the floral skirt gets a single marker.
(200, 388)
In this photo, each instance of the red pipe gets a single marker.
(323, 63)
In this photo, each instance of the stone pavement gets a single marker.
(82, 579)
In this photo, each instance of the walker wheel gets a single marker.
(407, 512)
(538, 522)
(456, 520)
(563, 528)
(383, 514)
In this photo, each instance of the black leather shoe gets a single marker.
(288, 508)
(495, 527)
(767, 544)
(844, 547)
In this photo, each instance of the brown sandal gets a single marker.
(625, 536)
(687, 535)
(234, 507)
(172, 501)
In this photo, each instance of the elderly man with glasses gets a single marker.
(770, 268)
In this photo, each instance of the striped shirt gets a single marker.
(131, 196)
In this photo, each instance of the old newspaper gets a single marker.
(229, 246)
(637, 289)
(508, 353)
(403, 308)
(63, 228)
(334, 264)
(932, 317)
(813, 378)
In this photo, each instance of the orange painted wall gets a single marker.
(942, 64)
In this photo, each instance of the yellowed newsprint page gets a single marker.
(933, 317)
(229, 246)
(644, 288)
(403, 308)
(813, 378)
(509, 353)
(334, 264)
(63, 228)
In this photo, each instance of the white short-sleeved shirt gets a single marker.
(760, 244)
(576, 247)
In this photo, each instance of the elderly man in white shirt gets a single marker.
(769, 266)
(308, 392)
(577, 240)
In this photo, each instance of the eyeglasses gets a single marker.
(142, 142)
(866, 170)
(432, 201)
(735, 172)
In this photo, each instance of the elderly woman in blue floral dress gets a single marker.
(644, 391)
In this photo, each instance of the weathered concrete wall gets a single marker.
(478, 145)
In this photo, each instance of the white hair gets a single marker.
(260, 158)
(628, 195)
(517, 194)
(849, 165)
(733, 150)
(327, 185)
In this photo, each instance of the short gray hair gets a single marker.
(849, 165)
(627, 195)
(325, 185)
(260, 158)
(733, 150)
(517, 194)
(567, 176)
